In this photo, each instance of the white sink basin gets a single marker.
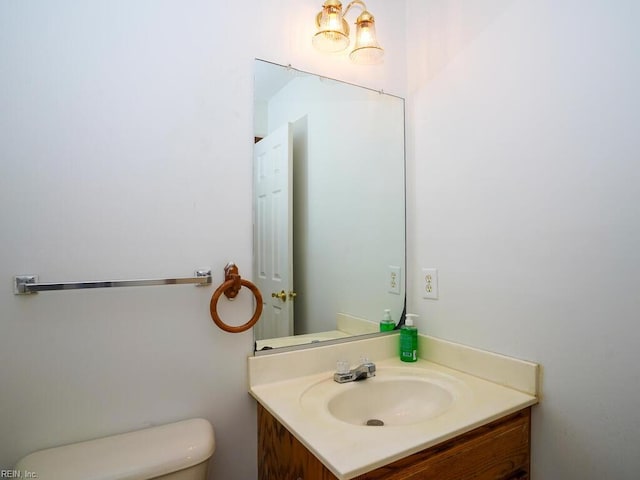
(390, 402)
(394, 397)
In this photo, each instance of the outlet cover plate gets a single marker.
(429, 283)
(394, 279)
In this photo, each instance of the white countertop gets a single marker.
(308, 338)
(278, 382)
(346, 326)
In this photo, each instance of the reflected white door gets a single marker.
(272, 233)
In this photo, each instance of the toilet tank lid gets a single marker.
(138, 455)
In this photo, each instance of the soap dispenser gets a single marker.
(409, 339)
(387, 324)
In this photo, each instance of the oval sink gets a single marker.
(390, 402)
(391, 398)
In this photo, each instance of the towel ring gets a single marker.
(231, 287)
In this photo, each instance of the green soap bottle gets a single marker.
(387, 324)
(409, 340)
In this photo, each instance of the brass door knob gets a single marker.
(282, 295)
(292, 295)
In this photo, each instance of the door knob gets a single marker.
(282, 295)
(292, 295)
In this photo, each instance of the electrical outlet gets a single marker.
(430, 283)
(393, 282)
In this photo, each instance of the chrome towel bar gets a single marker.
(28, 284)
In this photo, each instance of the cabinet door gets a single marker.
(498, 451)
(281, 456)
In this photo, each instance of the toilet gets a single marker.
(176, 451)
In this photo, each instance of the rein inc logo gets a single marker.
(17, 474)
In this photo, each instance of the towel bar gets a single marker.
(28, 284)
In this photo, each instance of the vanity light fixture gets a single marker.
(333, 33)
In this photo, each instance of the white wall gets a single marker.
(125, 130)
(525, 187)
(125, 152)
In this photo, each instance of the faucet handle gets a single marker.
(343, 366)
(343, 372)
(364, 359)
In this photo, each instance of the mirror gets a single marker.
(329, 207)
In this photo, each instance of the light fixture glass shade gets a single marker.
(367, 50)
(333, 31)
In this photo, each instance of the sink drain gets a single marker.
(374, 422)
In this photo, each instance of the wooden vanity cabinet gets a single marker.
(497, 451)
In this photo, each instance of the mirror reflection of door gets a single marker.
(273, 242)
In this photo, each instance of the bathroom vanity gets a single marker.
(499, 450)
(457, 410)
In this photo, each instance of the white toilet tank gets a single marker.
(177, 451)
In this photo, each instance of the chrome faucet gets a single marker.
(366, 369)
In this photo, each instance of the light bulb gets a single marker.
(333, 31)
(367, 50)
